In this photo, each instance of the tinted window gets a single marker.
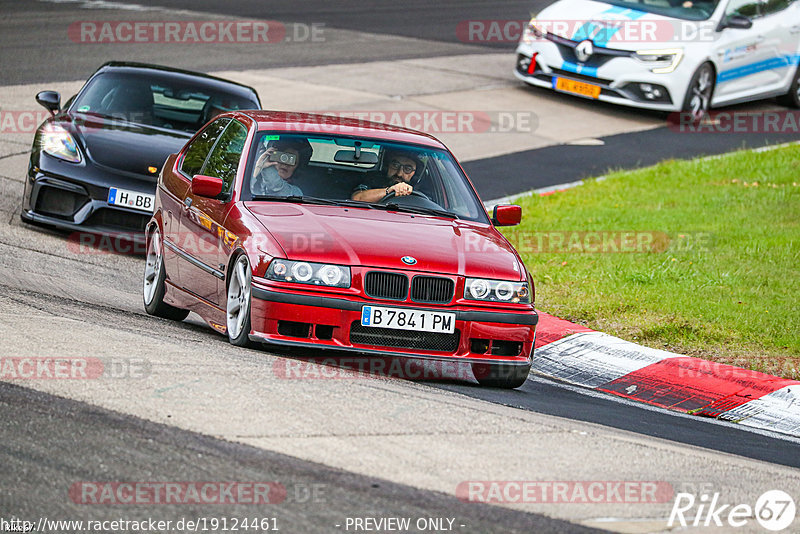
(155, 99)
(199, 148)
(224, 159)
(774, 6)
(746, 8)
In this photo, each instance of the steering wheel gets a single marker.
(414, 193)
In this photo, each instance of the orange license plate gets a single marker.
(578, 88)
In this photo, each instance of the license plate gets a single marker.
(577, 88)
(405, 319)
(131, 199)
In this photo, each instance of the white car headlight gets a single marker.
(304, 272)
(532, 32)
(496, 291)
(665, 60)
(59, 143)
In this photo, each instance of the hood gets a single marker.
(613, 26)
(377, 238)
(126, 146)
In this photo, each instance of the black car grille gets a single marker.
(380, 285)
(403, 339)
(118, 219)
(432, 289)
(58, 202)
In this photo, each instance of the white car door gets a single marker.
(746, 57)
(787, 15)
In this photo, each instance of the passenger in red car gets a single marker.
(400, 171)
(277, 177)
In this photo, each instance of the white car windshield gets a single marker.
(679, 9)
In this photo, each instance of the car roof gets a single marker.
(332, 125)
(212, 81)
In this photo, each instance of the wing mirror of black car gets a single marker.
(51, 101)
(507, 215)
(206, 186)
(355, 156)
(737, 22)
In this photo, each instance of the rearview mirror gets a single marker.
(206, 186)
(50, 100)
(355, 156)
(737, 22)
(507, 215)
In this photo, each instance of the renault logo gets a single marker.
(584, 50)
(408, 260)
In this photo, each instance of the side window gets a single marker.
(747, 8)
(224, 159)
(198, 150)
(774, 6)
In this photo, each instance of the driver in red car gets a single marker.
(401, 169)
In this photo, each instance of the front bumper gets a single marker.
(75, 197)
(319, 322)
(621, 79)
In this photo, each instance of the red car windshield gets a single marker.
(309, 167)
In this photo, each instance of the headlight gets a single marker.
(532, 32)
(59, 143)
(303, 272)
(496, 291)
(668, 59)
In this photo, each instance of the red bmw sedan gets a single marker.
(316, 232)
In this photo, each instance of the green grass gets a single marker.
(723, 282)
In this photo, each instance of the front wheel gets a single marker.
(153, 286)
(499, 375)
(698, 96)
(238, 305)
(792, 98)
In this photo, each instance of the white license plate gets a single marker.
(131, 199)
(405, 319)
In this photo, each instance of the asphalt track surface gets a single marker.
(49, 441)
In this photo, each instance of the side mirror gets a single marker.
(206, 186)
(51, 101)
(507, 215)
(737, 22)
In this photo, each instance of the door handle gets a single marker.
(760, 39)
(795, 29)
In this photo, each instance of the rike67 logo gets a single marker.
(774, 510)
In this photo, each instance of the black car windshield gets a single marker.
(359, 172)
(174, 103)
(679, 9)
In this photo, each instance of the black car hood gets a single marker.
(124, 146)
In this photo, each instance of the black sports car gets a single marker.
(95, 163)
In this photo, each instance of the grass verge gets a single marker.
(699, 257)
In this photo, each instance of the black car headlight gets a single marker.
(497, 291)
(59, 143)
(304, 272)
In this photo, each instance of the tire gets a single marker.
(153, 282)
(237, 307)
(792, 98)
(697, 101)
(500, 375)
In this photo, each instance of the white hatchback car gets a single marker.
(668, 55)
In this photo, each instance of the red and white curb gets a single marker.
(598, 361)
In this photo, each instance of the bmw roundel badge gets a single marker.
(408, 260)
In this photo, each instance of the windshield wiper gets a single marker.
(417, 209)
(296, 198)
